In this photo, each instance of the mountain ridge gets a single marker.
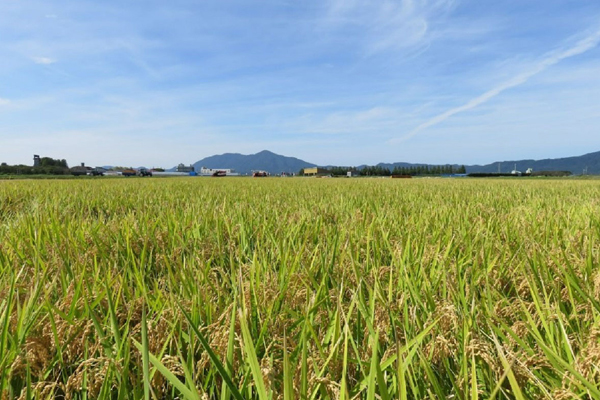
(575, 164)
(246, 163)
(275, 163)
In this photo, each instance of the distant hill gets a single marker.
(244, 164)
(275, 164)
(576, 165)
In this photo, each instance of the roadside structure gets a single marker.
(315, 171)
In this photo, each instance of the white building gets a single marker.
(211, 171)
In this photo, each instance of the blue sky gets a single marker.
(344, 82)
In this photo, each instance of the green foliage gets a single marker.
(51, 162)
(429, 170)
(378, 170)
(342, 171)
(48, 166)
(375, 171)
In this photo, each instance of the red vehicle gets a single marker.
(259, 174)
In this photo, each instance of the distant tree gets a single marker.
(339, 171)
(376, 170)
(51, 162)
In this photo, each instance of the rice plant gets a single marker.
(299, 289)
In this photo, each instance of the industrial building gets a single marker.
(184, 168)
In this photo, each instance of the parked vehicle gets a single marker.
(97, 172)
(129, 172)
(144, 172)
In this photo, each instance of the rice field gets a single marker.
(299, 289)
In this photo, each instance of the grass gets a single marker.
(39, 177)
(300, 289)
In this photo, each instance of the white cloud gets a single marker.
(385, 24)
(551, 59)
(4, 102)
(43, 60)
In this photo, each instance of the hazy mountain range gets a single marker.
(275, 163)
(576, 165)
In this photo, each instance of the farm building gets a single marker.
(184, 168)
(315, 171)
(81, 170)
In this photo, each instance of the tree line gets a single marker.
(48, 166)
(377, 170)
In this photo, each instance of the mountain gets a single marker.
(245, 164)
(275, 164)
(576, 165)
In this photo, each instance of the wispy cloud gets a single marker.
(43, 60)
(4, 102)
(554, 57)
(387, 25)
